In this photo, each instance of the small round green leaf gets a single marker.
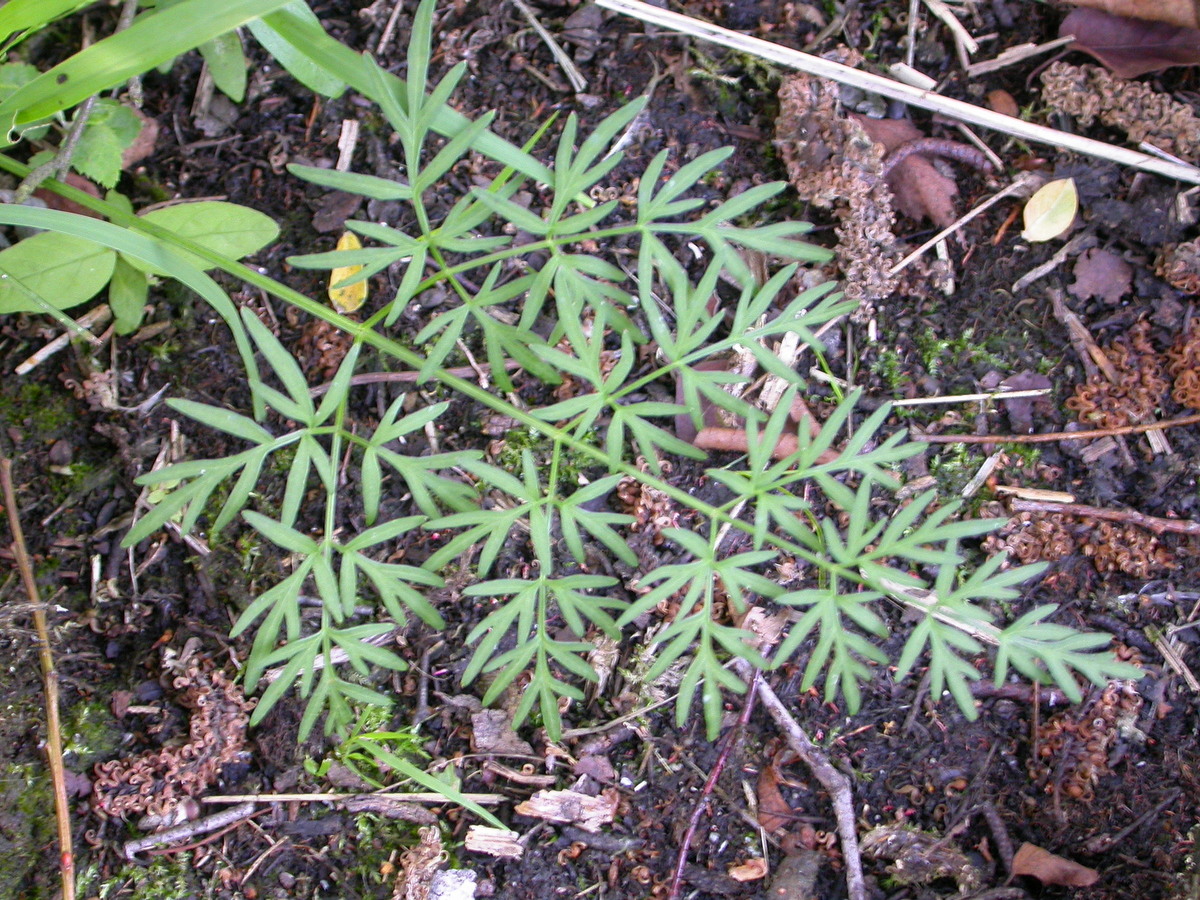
(229, 229)
(1051, 211)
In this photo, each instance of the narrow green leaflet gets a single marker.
(309, 70)
(127, 294)
(152, 39)
(226, 64)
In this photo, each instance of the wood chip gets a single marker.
(571, 808)
(499, 842)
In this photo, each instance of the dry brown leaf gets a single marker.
(920, 190)
(750, 870)
(1131, 47)
(774, 813)
(145, 142)
(1175, 12)
(1103, 274)
(1050, 868)
(1020, 409)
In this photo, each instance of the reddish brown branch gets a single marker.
(54, 750)
(733, 440)
(710, 785)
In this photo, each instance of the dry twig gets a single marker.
(1053, 436)
(1157, 524)
(837, 784)
(894, 90)
(54, 750)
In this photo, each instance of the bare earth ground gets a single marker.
(1111, 785)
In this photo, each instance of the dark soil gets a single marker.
(1111, 784)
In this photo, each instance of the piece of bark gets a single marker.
(498, 842)
(571, 808)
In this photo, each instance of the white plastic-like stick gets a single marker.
(894, 90)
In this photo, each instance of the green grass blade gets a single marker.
(153, 39)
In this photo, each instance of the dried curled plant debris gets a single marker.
(1183, 363)
(322, 347)
(1179, 266)
(1073, 748)
(834, 164)
(1090, 93)
(1112, 547)
(157, 781)
(1137, 392)
(1127, 549)
(1029, 540)
(651, 509)
(919, 857)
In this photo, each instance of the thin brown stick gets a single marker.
(1052, 436)
(231, 817)
(710, 785)
(1156, 524)
(837, 784)
(54, 751)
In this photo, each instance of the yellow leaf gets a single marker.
(347, 298)
(1051, 211)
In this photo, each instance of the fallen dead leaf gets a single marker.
(1131, 47)
(145, 142)
(56, 201)
(1050, 868)
(920, 190)
(1003, 102)
(1020, 409)
(1051, 211)
(750, 870)
(1174, 12)
(774, 813)
(1102, 274)
(347, 298)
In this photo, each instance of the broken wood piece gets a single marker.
(498, 842)
(96, 318)
(571, 808)
(1015, 55)
(734, 440)
(347, 141)
(1024, 493)
(835, 783)
(188, 830)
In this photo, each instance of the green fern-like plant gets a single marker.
(553, 304)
